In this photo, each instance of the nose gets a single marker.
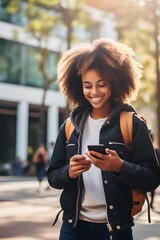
(94, 90)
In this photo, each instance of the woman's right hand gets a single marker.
(78, 164)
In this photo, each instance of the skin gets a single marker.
(98, 92)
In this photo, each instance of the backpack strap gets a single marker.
(68, 128)
(126, 126)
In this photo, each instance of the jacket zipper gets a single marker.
(117, 143)
(108, 225)
(77, 202)
(70, 145)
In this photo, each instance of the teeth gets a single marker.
(95, 100)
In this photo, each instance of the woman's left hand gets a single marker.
(109, 162)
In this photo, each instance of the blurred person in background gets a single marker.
(6, 169)
(26, 167)
(17, 168)
(41, 161)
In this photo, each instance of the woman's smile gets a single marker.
(96, 99)
(97, 91)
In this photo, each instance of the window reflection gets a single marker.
(19, 64)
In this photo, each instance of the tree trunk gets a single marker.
(41, 130)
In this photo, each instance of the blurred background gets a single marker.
(34, 34)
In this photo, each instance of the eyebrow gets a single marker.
(97, 81)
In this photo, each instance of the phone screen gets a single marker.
(97, 148)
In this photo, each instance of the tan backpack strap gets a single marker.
(68, 128)
(126, 126)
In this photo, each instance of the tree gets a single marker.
(148, 21)
(138, 26)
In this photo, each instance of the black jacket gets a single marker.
(140, 172)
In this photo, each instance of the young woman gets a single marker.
(99, 81)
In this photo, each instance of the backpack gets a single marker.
(126, 125)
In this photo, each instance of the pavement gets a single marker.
(26, 214)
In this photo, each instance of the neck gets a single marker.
(98, 113)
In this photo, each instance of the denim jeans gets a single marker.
(92, 231)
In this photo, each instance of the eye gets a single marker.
(102, 84)
(87, 86)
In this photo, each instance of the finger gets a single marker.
(80, 162)
(75, 172)
(83, 170)
(78, 167)
(96, 155)
(78, 158)
(111, 152)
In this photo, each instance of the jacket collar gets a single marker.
(80, 113)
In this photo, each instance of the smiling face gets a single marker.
(97, 91)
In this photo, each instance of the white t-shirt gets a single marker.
(93, 203)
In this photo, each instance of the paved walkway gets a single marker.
(26, 214)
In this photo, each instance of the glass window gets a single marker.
(17, 18)
(32, 75)
(10, 63)
(19, 64)
(7, 138)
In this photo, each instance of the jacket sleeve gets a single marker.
(57, 173)
(142, 172)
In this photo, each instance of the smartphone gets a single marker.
(97, 148)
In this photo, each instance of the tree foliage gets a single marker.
(136, 27)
